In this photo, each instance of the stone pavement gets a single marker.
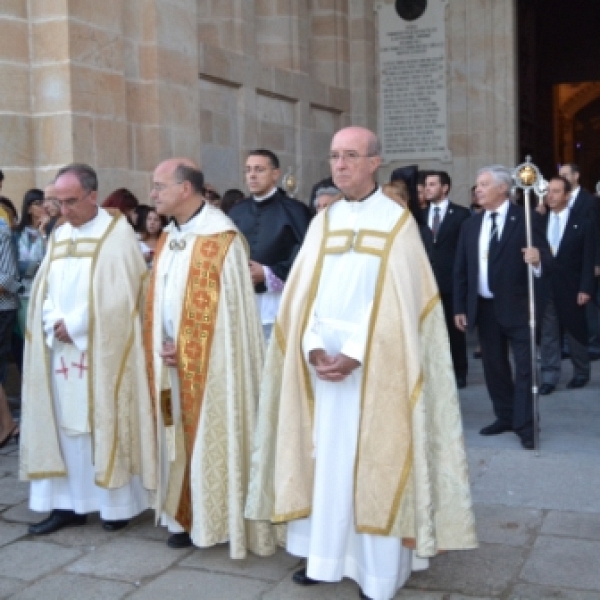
(538, 520)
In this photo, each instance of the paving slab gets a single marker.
(272, 568)
(534, 592)
(31, 560)
(15, 493)
(64, 586)
(507, 525)
(20, 513)
(128, 560)
(183, 584)
(488, 570)
(548, 563)
(9, 533)
(288, 590)
(145, 528)
(553, 482)
(572, 524)
(9, 587)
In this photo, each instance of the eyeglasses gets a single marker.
(347, 157)
(161, 187)
(69, 202)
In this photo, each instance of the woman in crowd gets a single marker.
(124, 200)
(230, 199)
(150, 231)
(30, 247)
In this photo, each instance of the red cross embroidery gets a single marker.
(64, 369)
(81, 366)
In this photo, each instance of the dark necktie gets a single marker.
(435, 225)
(493, 246)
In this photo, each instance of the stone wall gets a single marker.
(125, 84)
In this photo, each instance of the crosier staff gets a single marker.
(527, 177)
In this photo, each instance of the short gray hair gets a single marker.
(327, 191)
(88, 180)
(501, 176)
(374, 146)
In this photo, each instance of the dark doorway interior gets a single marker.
(559, 84)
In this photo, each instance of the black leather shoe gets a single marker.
(577, 382)
(56, 521)
(495, 428)
(114, 525)
(179, 540)
(301, 578)
(461, 382)
(363, 596)
(527, 443)
(547, 388)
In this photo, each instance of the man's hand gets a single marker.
(531, 256)
(256, 272)
(582, 298)
(461, 322)
(169, 353)
(332, 368)
(61, 333)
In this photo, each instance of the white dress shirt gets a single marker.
(484, 245)
(573, 196)
(443, 206)
(563, 217)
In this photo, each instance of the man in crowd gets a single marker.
(582, 202)
(444, 219)
(274, 226)
(343, 438)
(325, 197)
(88, 438)
(569, 286)
(204, 348)
(490, 292)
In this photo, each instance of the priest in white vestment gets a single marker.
(204, 348)
(88, 442)
(359, 445)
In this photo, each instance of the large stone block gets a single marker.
(51, 88)
(16, 9)
(15, 96)
(48, 9)
(96, 47)
(15, 142)
(50, 41)
(14, 40)
(110, 139)
(100, 93)
(52, 139)
(83, 139)
(147, 147)
(107, 14)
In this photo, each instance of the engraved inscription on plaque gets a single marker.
(412, 80)
(410, 10)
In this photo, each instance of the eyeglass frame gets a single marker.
(70, 202)
(347, 157)
(161, 187)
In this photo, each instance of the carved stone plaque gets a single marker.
(412, 80)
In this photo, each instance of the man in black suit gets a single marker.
(568, 287)
(274, 226)
(444, 220)
(582, 202)
(490, 292)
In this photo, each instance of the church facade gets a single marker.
(122, 85)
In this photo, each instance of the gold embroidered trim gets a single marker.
(280, 337)
(345, 237)
(312, 294)
(292, 516)
(362, 243)
(374, 312)
(195, 338)
(46, 474)
(428, 308)
(91, 329)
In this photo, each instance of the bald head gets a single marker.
(177, 188)
(355, 156)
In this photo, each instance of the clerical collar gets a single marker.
(174, 220)
(263, 198)
(365, 197)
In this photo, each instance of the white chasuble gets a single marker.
(67, 297)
